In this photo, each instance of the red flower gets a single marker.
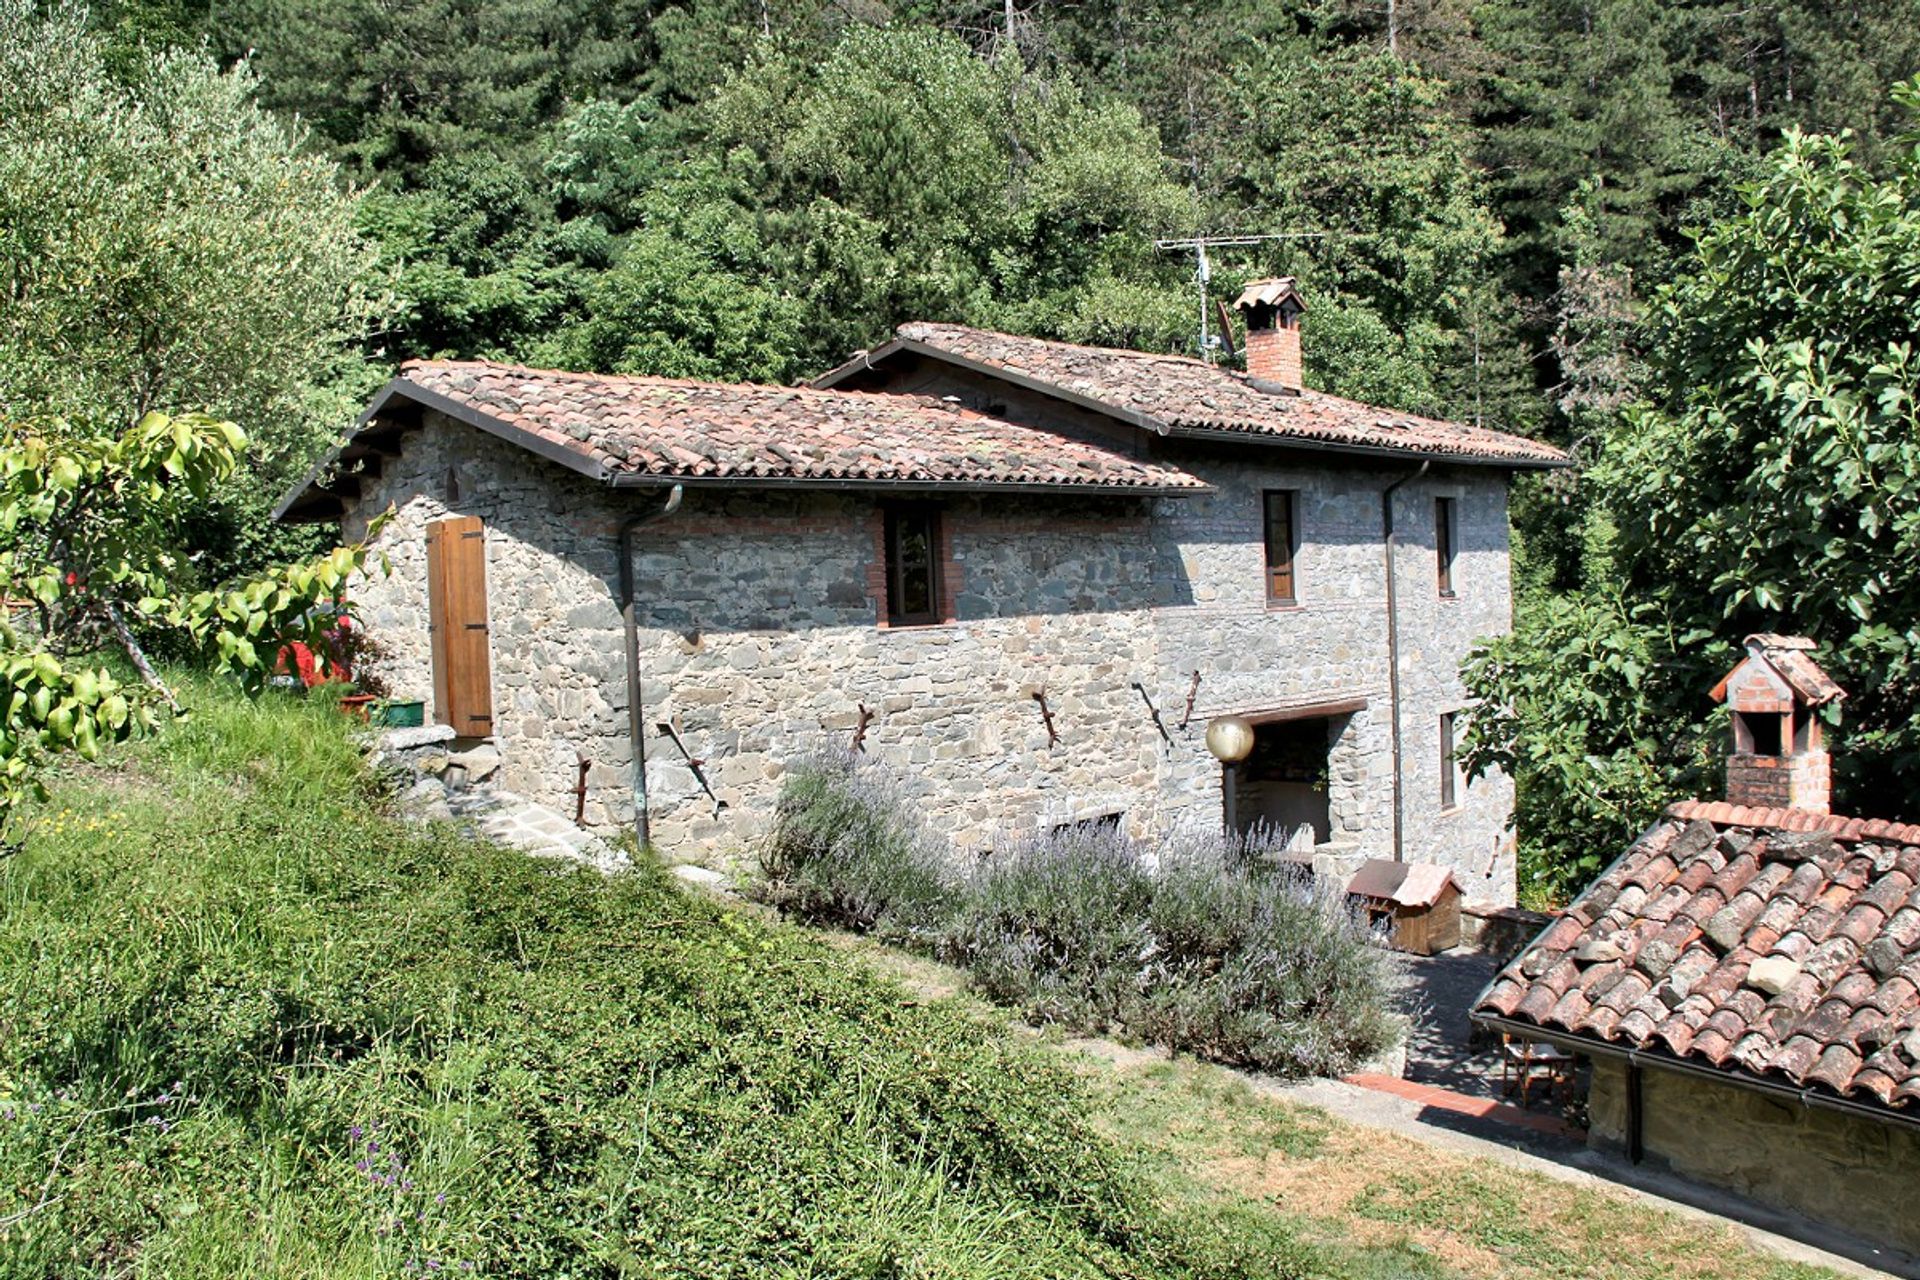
(342, 621)
(72, 577)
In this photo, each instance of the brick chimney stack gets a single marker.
(1779, 759)
(1272, 310)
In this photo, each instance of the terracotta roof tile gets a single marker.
(1185, 396)
(745, 432)
(1796, 957)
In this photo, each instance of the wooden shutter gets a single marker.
(1281, 540)
(457, 609)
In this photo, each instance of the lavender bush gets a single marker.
(1196, 942)
(847, 849)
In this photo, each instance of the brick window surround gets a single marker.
(947, 574)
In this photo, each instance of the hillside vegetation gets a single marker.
(252, 1025)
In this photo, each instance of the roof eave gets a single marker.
(1661, 1060)
(402, 388)
(1372, 451)
(654, 480)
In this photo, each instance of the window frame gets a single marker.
(1446, 544)
(893, 517)
(1290, 565)
(1449, 762)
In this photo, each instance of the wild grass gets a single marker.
(250, 1024)
(1195, 941)
(1374, 1203)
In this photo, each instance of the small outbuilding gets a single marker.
(1743, 980)
(1420, 901)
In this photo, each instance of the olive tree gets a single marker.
(165, 243)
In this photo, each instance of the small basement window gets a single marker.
(1283, 540)
(913, 570)
(1443, 540)
(1759, 733)
(1103, 824)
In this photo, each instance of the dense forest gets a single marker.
(1587, 220)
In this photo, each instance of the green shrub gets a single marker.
(1193, 944)
(249, 1025)
(847, 848)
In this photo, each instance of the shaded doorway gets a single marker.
(1283, 785)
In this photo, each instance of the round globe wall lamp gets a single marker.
(1230, 739)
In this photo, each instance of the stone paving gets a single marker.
(533, 828)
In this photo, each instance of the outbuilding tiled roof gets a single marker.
(1781, 947)
(1181, 395)
(698, 430)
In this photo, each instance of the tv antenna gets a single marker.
(1203, 272)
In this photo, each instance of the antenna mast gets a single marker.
(1203, 268)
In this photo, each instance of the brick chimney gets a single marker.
(1779, 760)
(1272, 310)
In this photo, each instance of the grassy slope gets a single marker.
(250, 1025)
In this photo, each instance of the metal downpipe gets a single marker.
(1390, 539)
(636, 716)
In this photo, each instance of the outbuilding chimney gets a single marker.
(1779, 760)
(1272, 310)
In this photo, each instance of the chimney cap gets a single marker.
(1271, 292)
(1790, 658)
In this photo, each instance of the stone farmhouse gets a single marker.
(1026, 574)
(1745, 979)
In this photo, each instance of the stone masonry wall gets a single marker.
(1848, 1172)
(759, 643)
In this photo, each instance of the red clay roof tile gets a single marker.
(1842, 911)
(1186, 396)
(747, 432)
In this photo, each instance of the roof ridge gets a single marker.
(1724, 814)
(902, 398)
(1130, 352)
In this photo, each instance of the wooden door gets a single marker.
(457, 623)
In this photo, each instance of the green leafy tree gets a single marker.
(476, 267)
(90, 545)
(1766, 482)
(1771, 485)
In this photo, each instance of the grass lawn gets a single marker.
(252, 1024)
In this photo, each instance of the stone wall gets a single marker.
(759, 643)
(1850, 1173)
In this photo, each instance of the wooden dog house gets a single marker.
(1420, 899)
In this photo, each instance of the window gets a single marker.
(1443, 543)
(1449, 765)
(913, 571)
(1105, 824)
(1282, 541)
